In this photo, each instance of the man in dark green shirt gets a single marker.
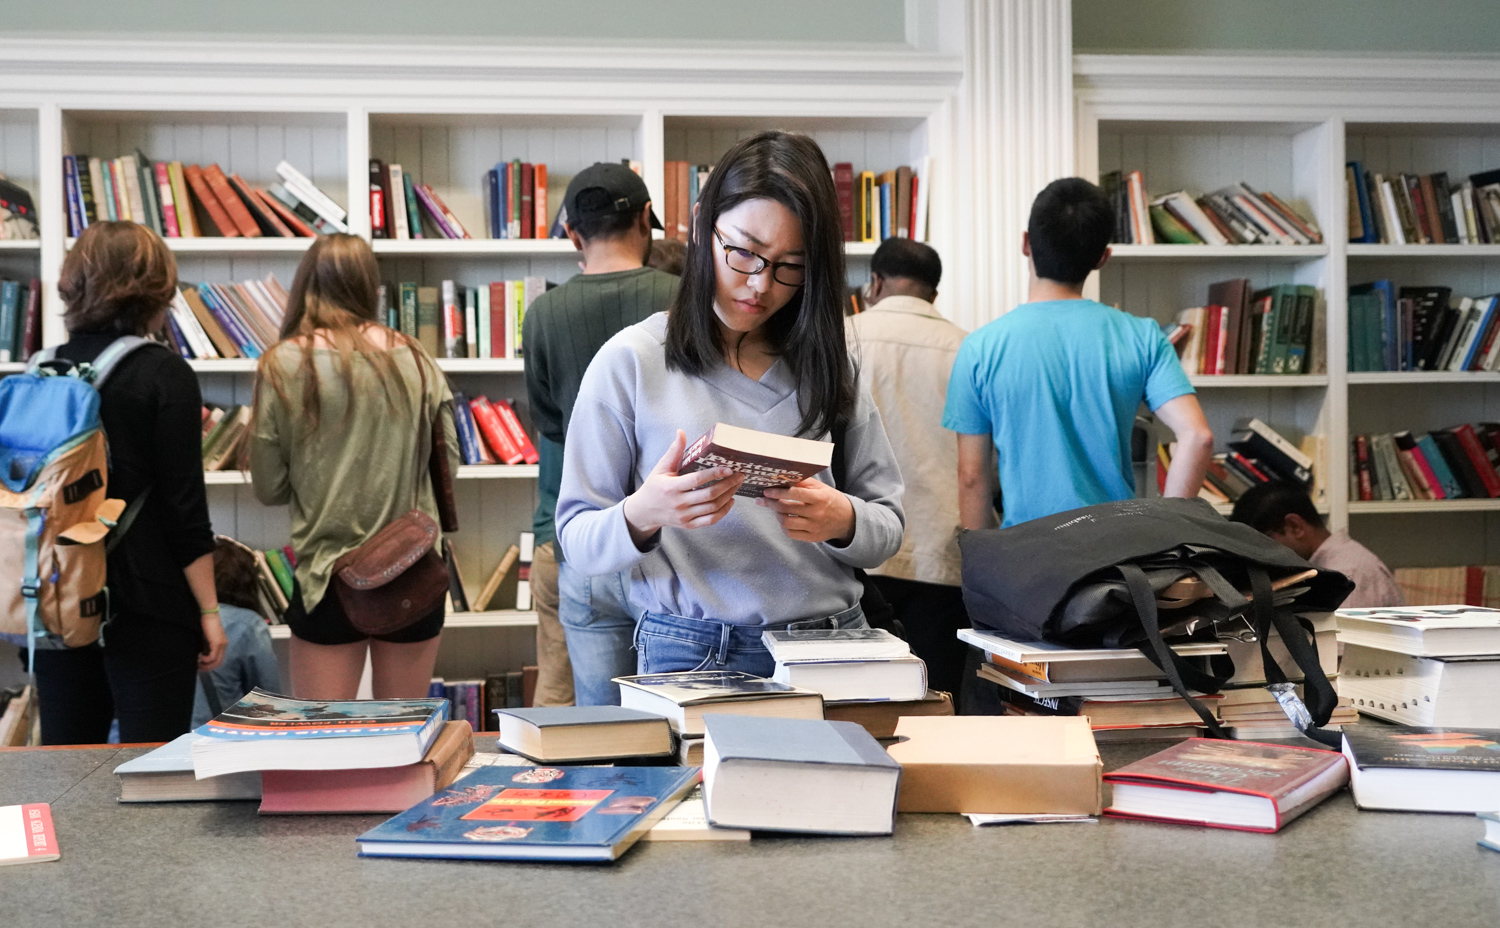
(585, 624)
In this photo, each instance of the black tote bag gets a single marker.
(1090, 578)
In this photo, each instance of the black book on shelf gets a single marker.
(1458, 462)
(1439, 333)
(1428, 304)
(455, 580)
(1444, 196)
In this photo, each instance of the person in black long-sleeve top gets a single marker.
(164, 624)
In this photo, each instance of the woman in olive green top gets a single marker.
(342, 433)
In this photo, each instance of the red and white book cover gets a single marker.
(26, 834)
(1244, 785)
(494, 431)
(518, 436)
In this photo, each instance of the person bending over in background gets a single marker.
(755, 339)
(905, 349)
(1286, 514)
(1051, 388)
(584, 623)
(342, 432)
(248, 659)
(163, 628)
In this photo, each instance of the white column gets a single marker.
(1012, 133)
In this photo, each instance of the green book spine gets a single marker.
(413, 215)
(429, 309)
(515, 200)
(409, 309)
(10, 303)
(1307, 303)
(1170, 230)
(281, 570)
(86, 191)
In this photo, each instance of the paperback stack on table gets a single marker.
(1123, 694)
(847, 664)
(1249, 711)
(685, 699)
(1423, 665)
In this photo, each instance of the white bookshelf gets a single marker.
(1200, 123)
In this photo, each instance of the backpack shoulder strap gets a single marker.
(110, 357)
(40, 358)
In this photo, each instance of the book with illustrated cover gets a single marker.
(832, 644)
(1423, 631)
(684, 698)
(264, 731)
(1242, 785)
(1424, 769)
(27, 835)
(767, 460)
(535, 813)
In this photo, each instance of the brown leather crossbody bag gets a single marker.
(398, 575)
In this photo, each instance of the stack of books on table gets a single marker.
(304, 756)
(684, 699)
(1423, 665)
(1249, 711)
(1123, 694)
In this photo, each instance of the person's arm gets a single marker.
(977, 479)
(270, 473)
(1195, 444)
(200, 577)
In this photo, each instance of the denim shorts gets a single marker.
(673, 643)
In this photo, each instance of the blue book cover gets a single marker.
(1390, 329)
(1486, 317)
(502, 199)
(468, 433)
(1366, 219)
(1439, 465)
(261, 715)
(535, 813)
(10, 309)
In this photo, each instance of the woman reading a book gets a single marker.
(755, 339)
(342, 433)
(163, 613)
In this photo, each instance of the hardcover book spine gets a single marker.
(494, 431)
(424, 196)
(76, 221)
(843, 185)
(514, 186)
(289, 219)
(523, 584)
(31, 329)
(518, 436)
(1477, 458)
(528, 200)
(168, 202)
(216, 214)
(500, 342)
(398, 203)
(378, 228)
(453, 322)
(492, 203)
(539, 201)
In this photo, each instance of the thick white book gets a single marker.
(166, 775)
(1428, 691)
(398, 202)
(1026, 652)
(870, 680)
(1424, 631)
(316, 200)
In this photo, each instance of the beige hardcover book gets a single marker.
(187, 222)
(492, 585)
(998, 764)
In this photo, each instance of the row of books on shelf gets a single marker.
(1240, 330)
(1472, 585)
(20, 319)
(188, 201)
(490, 432)
(1257, 454)
(1421, 209)
(1233, 215)
(456, 321)
(1455, 463)
(475, 701)
(234, 320)
(224, 431)
(890, 204)
(1421, 329)
(516, 204)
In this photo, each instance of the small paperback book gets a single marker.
(766, 459)
(26, 834)
(264, 731)
(568, 734)
(1227, 784)
(166, 775)
(684, 698)
(535, 813)
(1424, 769)
(798, 775)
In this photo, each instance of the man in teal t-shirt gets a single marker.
(1051, 388)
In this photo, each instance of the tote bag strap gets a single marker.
(1321, 698)
(1171, 663)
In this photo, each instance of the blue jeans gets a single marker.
(673, 643)
(599, 623)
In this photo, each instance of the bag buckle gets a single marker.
(30, 589)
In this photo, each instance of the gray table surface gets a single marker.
(222, 864)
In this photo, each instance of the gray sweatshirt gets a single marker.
(742, 570)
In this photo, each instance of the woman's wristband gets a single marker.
(212, 610)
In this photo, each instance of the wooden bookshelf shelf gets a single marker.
(1400, 507)
(473, 246)
(503, 618)
(1258, 381)
(213, 245)
(12, 367)
(1359, 250)
(1418, 377)
(229, 478)
(1217, 252)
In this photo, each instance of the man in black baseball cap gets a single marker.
(585, 624)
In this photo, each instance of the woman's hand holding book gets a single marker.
(666, 500)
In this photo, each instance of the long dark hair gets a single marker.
(334, 295)
(808, 332)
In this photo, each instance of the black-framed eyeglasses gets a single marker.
(749, 263)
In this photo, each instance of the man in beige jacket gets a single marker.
(904, 349)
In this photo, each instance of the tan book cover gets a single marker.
(766, 459)
(997, 764)
(881, 718)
